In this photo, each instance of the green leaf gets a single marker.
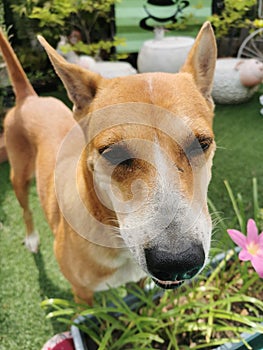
(241, 220)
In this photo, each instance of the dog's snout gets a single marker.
(167, 266)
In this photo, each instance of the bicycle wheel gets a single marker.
(252, 46)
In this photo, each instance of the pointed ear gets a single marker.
(81, 84)
(201, 60)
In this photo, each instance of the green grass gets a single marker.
(238, 130)
(26, 279)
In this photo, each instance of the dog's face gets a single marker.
(149, 154)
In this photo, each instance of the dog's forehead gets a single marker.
(155, 102)
(174, 92)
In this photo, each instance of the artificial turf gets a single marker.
(26, 279)
(239, 136)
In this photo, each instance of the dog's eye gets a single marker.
(198, 146)
(205, 143)
(117, 155)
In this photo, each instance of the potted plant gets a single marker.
(231, 23)
(4, 80)
(87, 25)
(206, 314)
(82, 31)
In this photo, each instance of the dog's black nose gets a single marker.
(166, 266)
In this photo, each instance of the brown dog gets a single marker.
(128, 198)
(26, 128)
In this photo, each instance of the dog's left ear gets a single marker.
(201, 60)
(80, 83)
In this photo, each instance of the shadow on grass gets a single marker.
(5, 187)
(47, 287)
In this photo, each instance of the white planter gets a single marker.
(164, 55)
(107, 69)
(113, 69)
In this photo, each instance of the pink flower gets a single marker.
(252, 245)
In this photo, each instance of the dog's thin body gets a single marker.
(170, 244)
(27, 126)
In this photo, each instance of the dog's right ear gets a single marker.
(81, 84)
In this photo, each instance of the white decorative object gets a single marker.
(113, 69)
(261, 102)
(228, 88)
(85, 61)
(164, 54)
(250, 72)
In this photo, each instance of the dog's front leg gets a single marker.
(83, 295)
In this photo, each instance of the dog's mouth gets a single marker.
(167, 284)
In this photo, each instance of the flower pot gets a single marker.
(80, 339)
(165, 55)
(254, 340)
(62, 341)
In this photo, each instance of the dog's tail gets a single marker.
(21, 85)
